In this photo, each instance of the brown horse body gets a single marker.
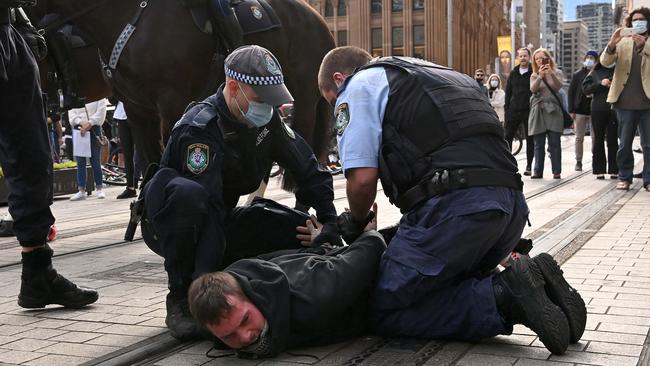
(166, 62)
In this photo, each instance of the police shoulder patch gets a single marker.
(198, 158)
(342, 118)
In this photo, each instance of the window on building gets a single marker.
(341, 10)
(329, 8)
(342, 38)
(418, 4)
(375, 6)
(418, 35)
(398, 41)
(398, 5)
(376, 38)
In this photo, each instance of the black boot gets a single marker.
(7, 228)
(563, 295)
(41, 285)
(179, 319)
(521, 299)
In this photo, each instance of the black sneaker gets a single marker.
(578, 166)
(127, 193)
(521, 299)
(38, 289)
(179, 319)
(563, 295)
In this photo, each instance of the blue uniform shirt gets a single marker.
(359, 112)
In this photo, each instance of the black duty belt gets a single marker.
(444, 181)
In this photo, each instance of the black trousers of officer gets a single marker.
(24, 144)
(195, 238)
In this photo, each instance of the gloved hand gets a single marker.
(329, 234)
(351, 228)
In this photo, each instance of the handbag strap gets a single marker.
(554, 94)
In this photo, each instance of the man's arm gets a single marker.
(572, 93)
(361, 189)
(508, 91)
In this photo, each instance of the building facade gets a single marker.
(552, 15)
(418, 28)
(575, 45)
(599, 18)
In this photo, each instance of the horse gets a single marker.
(165, 63)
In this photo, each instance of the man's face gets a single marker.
(330, 96)
(524, 58)
(241, 326)
(479, 76)
(238, 97)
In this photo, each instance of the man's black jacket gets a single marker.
(518, 94)
(310, 299)
(578, 101)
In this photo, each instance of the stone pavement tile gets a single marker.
(78, 349)
(116, 340)
(134, 330)
(17, 319)
(522, 329)
(621, 303)
(7, 330)
(475, 359)
(577, 347)
(129, 319)
(629, 311)
(7, 339)
(94, 317)
(529, 362)
(41, 333)
(603, 282)
(623, 338)
(57, 360)
(634, 297)
(27, 344)
(623, 328)
(517, 339)
(614, 348)
(16, 357)
(155, 322)
(84, 326)
(158, 313)
(61, 313)
(593, 309)
(185, 359)
(52, 323)
(75, 337)
(626, 290)
(199, 348)
(132, 310)
(589, 358)
(511, 351)
(231, 361)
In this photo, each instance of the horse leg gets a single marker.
(146, 133)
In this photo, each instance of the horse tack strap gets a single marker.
(124, 37)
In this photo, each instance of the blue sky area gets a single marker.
(570, 7)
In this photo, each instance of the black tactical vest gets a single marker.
(428, 107)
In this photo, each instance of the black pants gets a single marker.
(513, 121)
(604, 125)
(195, 238)
(128, 150)
(24, 144)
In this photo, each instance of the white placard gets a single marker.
(81, 144)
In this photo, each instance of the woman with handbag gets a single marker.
(546, 118)
(89, 120)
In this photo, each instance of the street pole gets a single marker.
(450, 35)
(512, 35)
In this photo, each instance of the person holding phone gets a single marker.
(630, 92)
(545, 118)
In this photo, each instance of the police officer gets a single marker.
(27, 167)
(221, 149)
(431, 136)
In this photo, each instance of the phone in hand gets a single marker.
(627, 32)
(546, 61)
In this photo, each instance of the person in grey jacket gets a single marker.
(545, 118)
(603, 121)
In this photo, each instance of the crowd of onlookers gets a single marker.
(609, 95)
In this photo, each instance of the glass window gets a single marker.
(398, 5)
(329, 8)
(376, 38)
(398, 37)
(341, 10)
(418, 52)
(418, 4)
(418, 35)
(342, 38)
(375, 6)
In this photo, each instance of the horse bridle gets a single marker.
(61, 21)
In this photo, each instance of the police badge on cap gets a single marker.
(257, 67)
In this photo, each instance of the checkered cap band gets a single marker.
(254, 80)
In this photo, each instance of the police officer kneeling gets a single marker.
(431, 136)
(261, 307)
(221, 149)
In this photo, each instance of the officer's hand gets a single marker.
(309, 232)
(372, 225)
(351, 228)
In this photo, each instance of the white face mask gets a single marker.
(640, 26)
(589, 63)
(494, 83)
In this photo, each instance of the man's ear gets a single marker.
(338, 78)
(232, 86)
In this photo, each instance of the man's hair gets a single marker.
(341, 59)
(208, 296)
(479, 70)
(525, 49)
(642, 10)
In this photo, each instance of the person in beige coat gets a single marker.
(497, 96)
(630, 92)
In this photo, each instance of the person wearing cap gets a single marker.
(432, 137)
(220, 149)
(580, 104)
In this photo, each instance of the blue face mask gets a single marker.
(258, 114)
(640, 26)
(589, 63)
